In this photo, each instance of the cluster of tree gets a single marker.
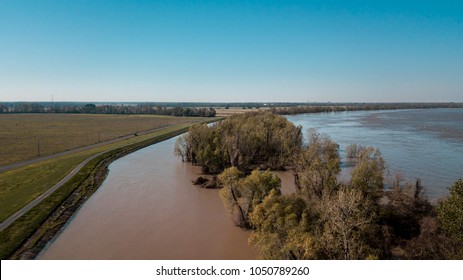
(245, 141)
(325, 218)
(304, 109)
(24, 107)
(187, 108)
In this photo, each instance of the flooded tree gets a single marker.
(353, 150)
(325, 219)
(318, 164)
(181, 148)
(241, 194)
(346, 218)
(282, 228)
(368, 174)
(246, 141)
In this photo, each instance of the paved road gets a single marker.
(39, 199)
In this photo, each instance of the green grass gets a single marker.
(25, 136)
(18, 232)
(22, 185)
(23, 228)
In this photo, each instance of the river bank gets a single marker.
(26, 237)
(148, 208)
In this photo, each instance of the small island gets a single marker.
(326, 218)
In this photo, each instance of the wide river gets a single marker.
(425, 144)
(147, 207)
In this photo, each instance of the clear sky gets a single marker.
(296, 51)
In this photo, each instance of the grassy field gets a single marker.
(222, 112)
(22, 185)
(26, 136)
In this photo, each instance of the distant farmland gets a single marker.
(28, 136)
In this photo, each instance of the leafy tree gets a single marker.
(368, 174)
(318, 165)
(230, 180)
(241, 195)
(450, 212)
(256, 186)
(246, 141)
(203, 147)
(282, 228)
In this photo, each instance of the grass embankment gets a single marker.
(28, 136)
(22, 185)
(65, 200)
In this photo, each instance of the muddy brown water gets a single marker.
(147, 208)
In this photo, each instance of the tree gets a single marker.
(368, 174)
(318, 165)
(229, 179)
(241, 195)
(282, 228)
(450, 212)
(346, 218)
(204, 148)
(246, 141)
(405, 208)
(431, 244)
(255, 187)
(353, 150)
(181, 148)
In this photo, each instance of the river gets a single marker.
(147, 208)
(425, 144)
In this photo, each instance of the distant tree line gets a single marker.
(205, 108)
(26, 107)
(325, 218)
(303, 109)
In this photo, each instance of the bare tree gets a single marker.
(346, 217)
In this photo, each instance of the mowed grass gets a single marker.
(22, 185)
(26, 136)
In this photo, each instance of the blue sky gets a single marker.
(297, 51)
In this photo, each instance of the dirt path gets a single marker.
(41, 197)
(39, 159)
(11, 219)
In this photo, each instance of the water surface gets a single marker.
(148, 208)
(425, 144)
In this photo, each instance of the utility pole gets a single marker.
(38, 147)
